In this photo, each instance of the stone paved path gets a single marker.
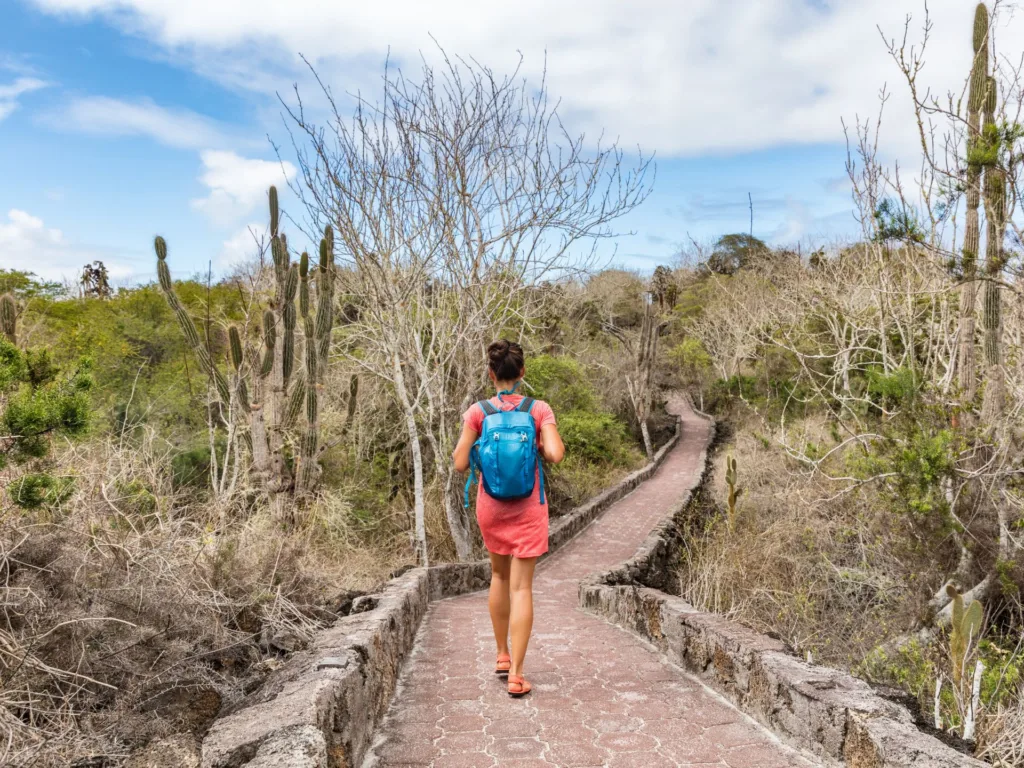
(601, 697)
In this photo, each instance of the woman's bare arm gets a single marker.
(461, 454)
(551, 446)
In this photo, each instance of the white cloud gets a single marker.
(679, 77)
(105, 116)
(28, 244)
(237, 184)
(10, 93)
(240, 247)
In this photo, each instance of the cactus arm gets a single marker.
(9, 318)
(188, 327)
(353, 393)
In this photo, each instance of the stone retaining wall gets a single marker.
(320, 709)
(820, 710)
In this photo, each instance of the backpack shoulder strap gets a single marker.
(527, 405)
(487, 408)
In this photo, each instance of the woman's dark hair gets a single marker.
(505, 358)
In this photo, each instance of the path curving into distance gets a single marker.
(601, 696)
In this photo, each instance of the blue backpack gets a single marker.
(506, 454)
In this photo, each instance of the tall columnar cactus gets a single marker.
(995, 217)
(972, 229)
(317, 332)
(188, 327)
(272, 380)
(731, 479)
(9, 318)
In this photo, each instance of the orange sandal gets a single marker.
(518, 686)
(503, 664)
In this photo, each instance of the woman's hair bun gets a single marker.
(498, 350)
(506, 359)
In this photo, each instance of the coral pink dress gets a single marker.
(518, 527)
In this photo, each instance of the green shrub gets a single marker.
(724, 390)
(35, 490)
(12, 365)
(57, 405)
(690, 357)
(915, 462)
(562, 382)
(134, 498)
(41, 368)
(595, 437)
(190, 469)
(1004, 671)
(893, 389)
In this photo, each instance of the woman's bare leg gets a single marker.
(521, 616)
(498, 600)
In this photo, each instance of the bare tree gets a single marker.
(454, 199)
(642, 348)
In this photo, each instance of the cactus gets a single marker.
(288, 344)
(9, 318)
(353, 393)
(325, 294)
(965, 630)
(270, 378)
(995, 216)
(304, 284)
(734, 493)
(317, 333)
(979, 69)
(188, 327)
(964, 633)
(235, 344)
(296, 401)
(972, 228)
(269, 341)
(274, 213)
(980, 26)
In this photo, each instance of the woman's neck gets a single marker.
(505, 386)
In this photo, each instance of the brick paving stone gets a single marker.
(513, 727)
(641, 760)
(516, 749)
(672, 730)
(567, 733)
(613, 723)
(628, 742)
(601, 696)
(397, 751)
(693, 751)
(470, 760)
(457, 723)
(576, 754)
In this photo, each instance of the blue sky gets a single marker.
(121, 119)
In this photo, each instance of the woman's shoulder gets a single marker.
(544, 413)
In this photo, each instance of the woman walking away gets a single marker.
(504, 439)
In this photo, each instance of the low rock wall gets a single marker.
(819, 710)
